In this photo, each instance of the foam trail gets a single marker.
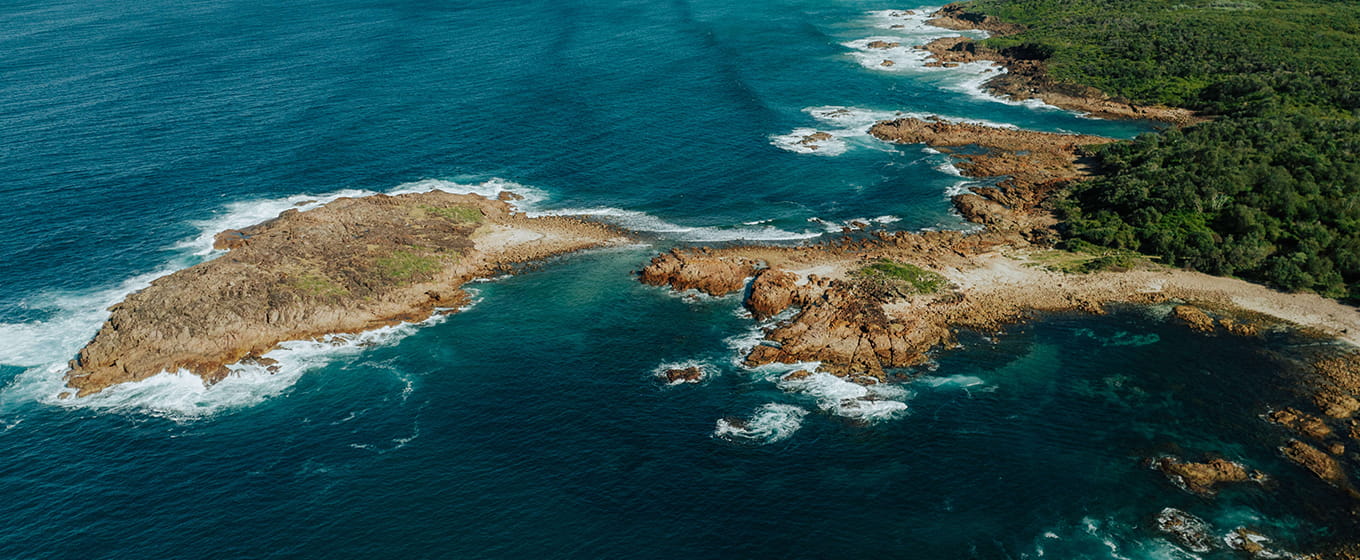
(853, 223)
(642, 221)
(849, 399)
(770, 423)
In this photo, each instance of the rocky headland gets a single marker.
(860, 306)
(352, 265)
(1034, 164)
(1026, 76)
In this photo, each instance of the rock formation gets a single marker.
(692, 374)
(1186, 530)
(352, 265)
(1203, 478)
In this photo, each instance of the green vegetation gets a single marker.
(458, 214)
(1084, 258)
(317, 285)
(1269, 190)
(407, 265)
(1222, 57)
(893, 279)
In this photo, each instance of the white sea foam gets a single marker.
(853, 223)
(953, 381)
(183, 396)
(770, 423)
(842, 397)
(706, 370)
(801, 141)
(909, 31)
(849, 127)
(75, 316)
(44, 346)
(642, 221)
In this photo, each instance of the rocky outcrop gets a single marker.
(1203, 478)
(352, 265)
(956, 16)
(687, 271)
(1194, 317)
(1186, 530)
(1036, 164)
(772, 292)
(1320, 464)
(1302, 423)
(675, 376)
(882, 45)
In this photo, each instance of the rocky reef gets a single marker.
(351, 265)
(1204, 478)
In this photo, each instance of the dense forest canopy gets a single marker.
(1270, 189)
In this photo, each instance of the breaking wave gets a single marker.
(770, 423)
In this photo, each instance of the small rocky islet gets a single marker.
(351, 265)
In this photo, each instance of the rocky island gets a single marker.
(351, 265)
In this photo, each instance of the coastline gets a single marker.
(349, 266)
(1026, 78)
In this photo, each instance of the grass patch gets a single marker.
(1083, 258)
(317, 285)
(894, 279)
(405, 265)
(456, 214)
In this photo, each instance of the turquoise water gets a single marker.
(531, 424)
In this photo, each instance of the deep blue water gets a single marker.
(531, 425)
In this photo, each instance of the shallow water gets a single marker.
(531, 423)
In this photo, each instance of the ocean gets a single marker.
(532, 424)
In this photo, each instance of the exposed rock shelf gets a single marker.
(352, 265)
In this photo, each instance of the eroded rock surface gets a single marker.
(1203, 478)
(352, 265)
(1186, 530)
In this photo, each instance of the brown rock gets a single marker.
(351, 265)
(887, 63)
(957, 16)
(715, 276)
(981, 210)
(1239, 328)
(772, 291)
(1336, 403)
(1319, 463)
(1202, 478)
(1301, 423)
(684, 375)
(1194, 317)
(882, 45)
